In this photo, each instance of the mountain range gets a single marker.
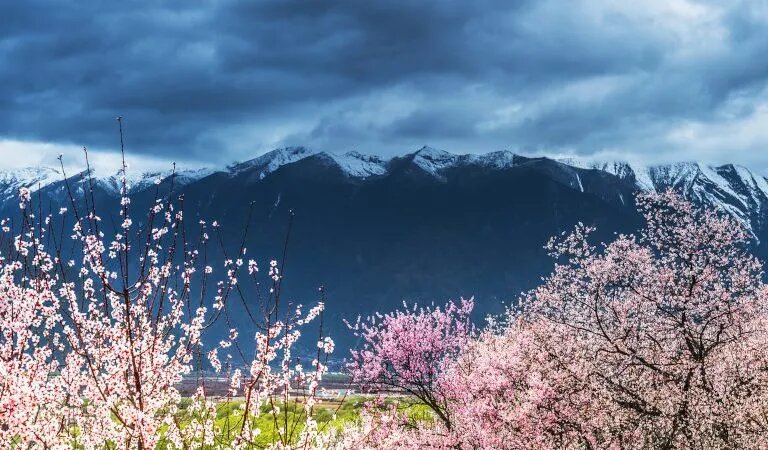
(424, 226)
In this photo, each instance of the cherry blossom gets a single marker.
(96, 334)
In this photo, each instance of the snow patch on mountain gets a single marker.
(755, 183)
(139, 181)
(734, 190)
(35, 178)
(358, 165)
(32, 178)
(434, 161)
(353, 164)
(271, 161)
(496, 160)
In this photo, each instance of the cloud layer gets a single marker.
(222, 80)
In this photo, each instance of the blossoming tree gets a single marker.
(406, 350)
(655, 340)
(97, 332)
(652, 341)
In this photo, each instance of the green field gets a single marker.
(286, 426)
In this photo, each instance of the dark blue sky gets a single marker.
(226, 80)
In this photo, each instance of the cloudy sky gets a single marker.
(220, 80)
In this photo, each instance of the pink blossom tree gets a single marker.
(652, 341)
(406, 350)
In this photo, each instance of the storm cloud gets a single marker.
(217, 81)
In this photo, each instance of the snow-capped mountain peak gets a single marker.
(271, 161)
(730, 188)
(499, 160)
(358, 165)
(433, 161)
(32, 178)
(139, 181)
(35, 178)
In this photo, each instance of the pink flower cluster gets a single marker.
(405, 351)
